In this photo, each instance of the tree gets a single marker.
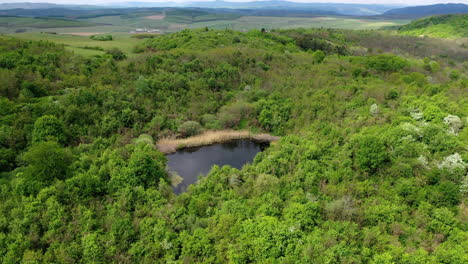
(116, 54)
(47, 161)
(93, 248)
(370, 152)
(48, 128)
(319, 56)
(273, 114)
(146, 165)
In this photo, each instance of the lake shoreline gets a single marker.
(171, 145)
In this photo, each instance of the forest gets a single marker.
(371, 165)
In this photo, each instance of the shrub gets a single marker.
(143, 36)
(386, 63)
(190, 128)
(117, 54)
(102, 37)
(210, 121)
(231, 115)
(319, 56)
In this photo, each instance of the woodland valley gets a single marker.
(366, 159)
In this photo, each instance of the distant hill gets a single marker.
(6, 6)
(27, 5)
(443, 26)
(74, 13)
(338, 8)
(429, 10)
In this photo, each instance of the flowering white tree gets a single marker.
(454, 124)
(374, 110)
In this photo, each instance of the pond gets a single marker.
(189, 163)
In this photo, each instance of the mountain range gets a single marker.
(243, 8)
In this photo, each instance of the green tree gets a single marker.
(146, 165)
(370, 152)
(48, 128)
(47, 161)
(93, 248)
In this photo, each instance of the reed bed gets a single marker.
(171, 145)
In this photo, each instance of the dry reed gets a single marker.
(170, 145)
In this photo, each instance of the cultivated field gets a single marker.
(75, 33)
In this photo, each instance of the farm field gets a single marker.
(75, 34)
(256, 22)
(176, 21)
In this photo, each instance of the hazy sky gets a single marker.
(404, 2)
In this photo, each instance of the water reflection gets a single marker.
(191, 162)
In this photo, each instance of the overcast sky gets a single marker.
(404, 2)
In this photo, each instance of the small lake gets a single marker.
(189, 163)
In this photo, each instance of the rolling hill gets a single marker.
(438, 26)
(429, 10)
(27, 5)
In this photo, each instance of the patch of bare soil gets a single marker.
(155, 17)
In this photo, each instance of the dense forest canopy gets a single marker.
(446, 26)
(371, 166)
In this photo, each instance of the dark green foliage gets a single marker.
(386, 63)
(116, 54)
(146, 166)
(370, 152)
(102, 37)
(46, 161)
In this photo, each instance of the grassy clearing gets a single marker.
(77, 44)
(168, 145)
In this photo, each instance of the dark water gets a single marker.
(191, 162)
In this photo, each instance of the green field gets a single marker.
(257, 22)
(173, 22)
(78, 44)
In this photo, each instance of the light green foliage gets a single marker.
(146, 165)
(48, 128)
(445, 26)
(273, 114)
(189, 128)
(319, 56)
